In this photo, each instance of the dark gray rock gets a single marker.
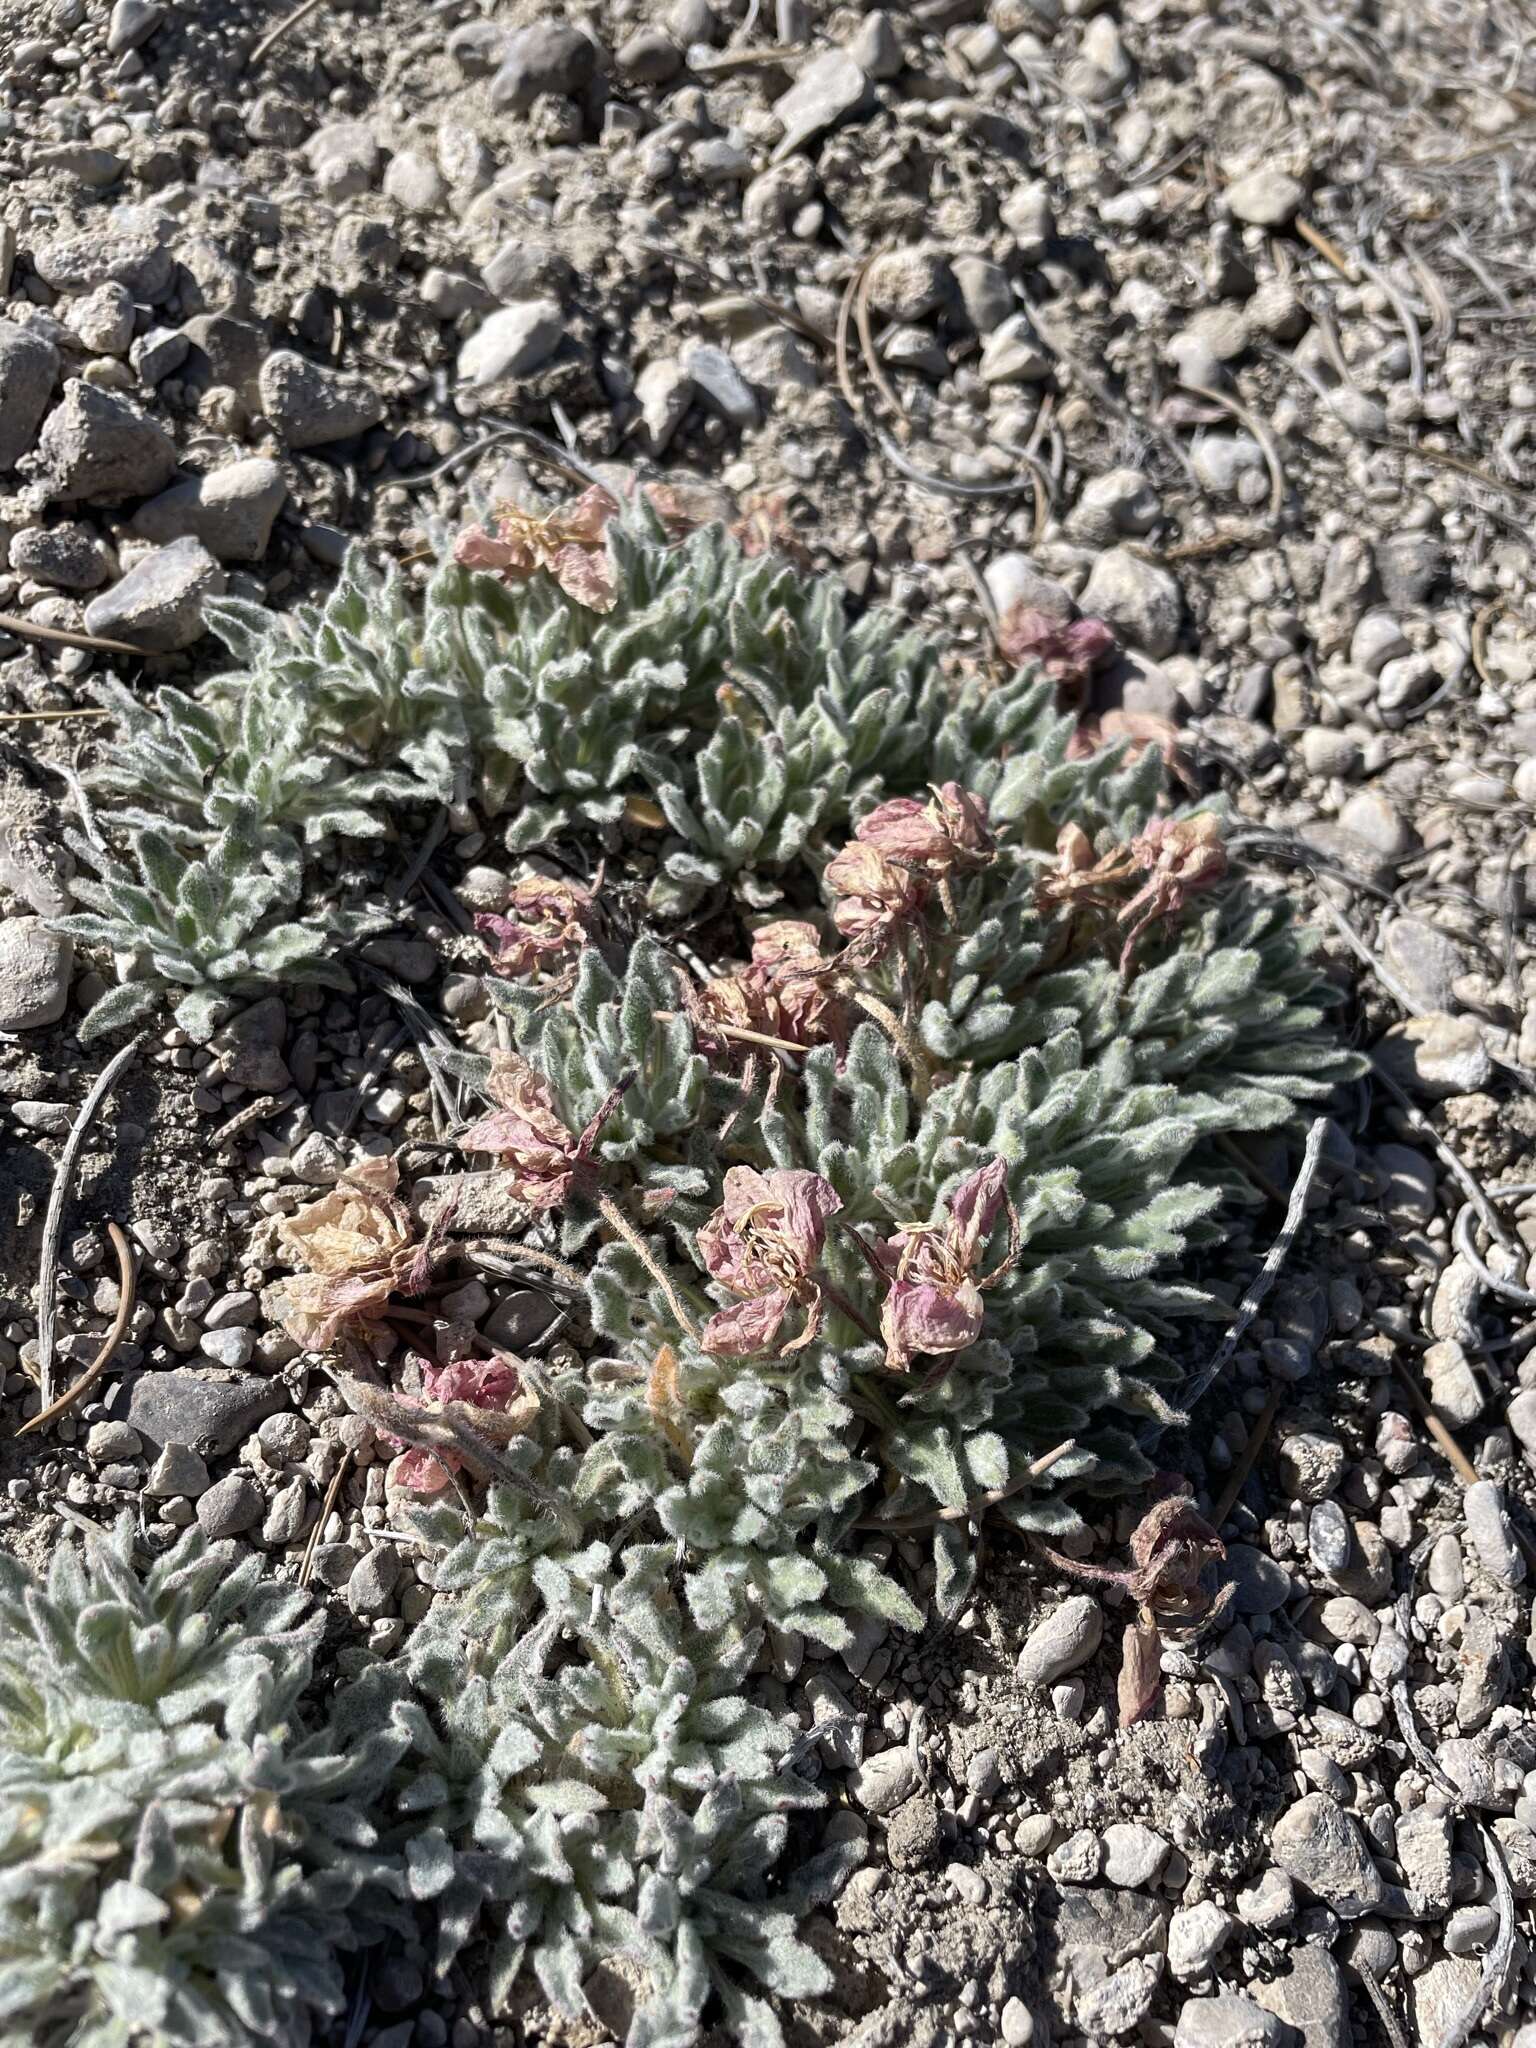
(158, 605)
(212, 1412)
(309, 405)
(1260, 1584)
(230, 511)
(1320, 1846)
(132, 23)
(70, 557)
(1311, 1997)
(98, 447)
(550, 56)
(28, 366)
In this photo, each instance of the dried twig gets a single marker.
(55, 717)
(307, 1567)
(1464, 1468)
(1199, 1383)
(114, 1337)
(1248, 1457)
(979, 1503)
(29, 629)
(1383, 2005)
(53, 1221)
(867, 349)
(1461, 1237)
(1329, 251)
(295, 20)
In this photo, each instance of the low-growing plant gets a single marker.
(877, 1221)
(186, 1854)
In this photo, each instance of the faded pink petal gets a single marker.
(421, 1471)
(584, 573)
(920, 1316)
(1067, 653)
(976, 1204)
(747, 1326)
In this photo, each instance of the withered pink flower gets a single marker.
(545, 1159)
(764, 1243)
(570, 543)
(942, 835)
(1139, 729)
(785, 992)
(934, 1305)
(874, 898)
(1068, 653)
(1180, 856)
(489, 1394)
(547, 922)
(357, 1245)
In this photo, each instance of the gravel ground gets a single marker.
(1211, 321)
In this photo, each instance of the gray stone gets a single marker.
(1026, 214)
(1521, 1417)
(1013, 580)
(1229, 2021)
(97, 446)
(309, 405)
(1490, 1533)
(1078, 1859)
(1409, 1177)
(1266, 198)
(875, 47)
(1140, 601)
(103, 319)
(522, 269)
(1270, 1904)
(1196, 1936)
(910, 284)
(135, 257)
(1311, 1465)
(35, 966)
(287, 1514)
(1424, 960)
(913, 1836)
(1260, 1585)
(158, 605)
(232, 1348)
(1436, 1055)
(156, 354)
(230, 1507)
(882, 1782)
(719, 381)
(1322, 1848)
(1012, 353)
(829, 89)
(1066, 1638)
(549, 56)
(28, 366)
(512, 342)
(1454, 1388)
(1328, 1537)
(112, 1440)
(649, 57)
(231, 510)
(414, 181)
(477, 47)
(1133, 1855)
(178, 1474)
(665, 391)
(212, 1412)
(1372, 816)
(1221, 461)
(985, 292)
(70, 557)
(1440, 1995)
(132, 23)
(371, 1587)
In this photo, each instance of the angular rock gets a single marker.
(1436, 1055)
(1066, 1638)
(1260, 1584)
(95, 446)
(230, 511)
(512, 342)
(1133, 1855)
(882, 1782)
(721, 383)
(158, 605)
(829, 89)
(1491, 1533)
(309, 405)
(231, 1507)
(35, 966)
(1012, 353)
(549, 56)
(1229, 2021)
(135, 257)
(665, 391)
(1424, 960)
(1012, 579)
(132, 23)
(28, 366)
(212, 1412)
(178, 1474)
(1140, 601)
(1266, 198)
(1321, 1847)
(70, 557)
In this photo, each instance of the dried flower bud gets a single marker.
(1067, 653)
(946, 833)
(546, 924)
(934, 1305)
(489, 1394)
(359, 1246)
(763, 1243)
(875, 899)
(544, 1157)
(784, 992)
(570, 543)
